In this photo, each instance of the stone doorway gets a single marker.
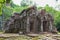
(45, 26)
(31, 28)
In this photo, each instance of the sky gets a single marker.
(42, 3)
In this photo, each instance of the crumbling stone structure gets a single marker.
(30, 20)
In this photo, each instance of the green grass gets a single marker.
(58, 32)
(1, 38)
(24, 37)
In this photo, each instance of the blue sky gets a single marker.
(42, 3)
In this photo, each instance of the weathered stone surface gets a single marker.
(30, 21)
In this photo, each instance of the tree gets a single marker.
(56, 15)
(26, 2)
(2, 2)
(13, 5)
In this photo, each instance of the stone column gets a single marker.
(50, 26)
(41, 24)
(28, 25)
(35, 26)
(21, 25)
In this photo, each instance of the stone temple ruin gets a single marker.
(30, 20)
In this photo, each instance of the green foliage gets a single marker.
(7, 11)
(26, 2)
(13, 5)
(56, 15)
(57, 20)
(19, 9)
(0, 9)
(8, 1)
(39, 8)
(1, 5)
(2, 1)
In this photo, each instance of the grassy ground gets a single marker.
(45, 36)
(39, 37)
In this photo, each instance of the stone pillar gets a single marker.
(41, 24)
(35, 26)
(50, 26)
(21, 25)
(28, 25)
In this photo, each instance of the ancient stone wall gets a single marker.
(30, 20)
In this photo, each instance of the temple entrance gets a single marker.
(45, 26)
(31, 27)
